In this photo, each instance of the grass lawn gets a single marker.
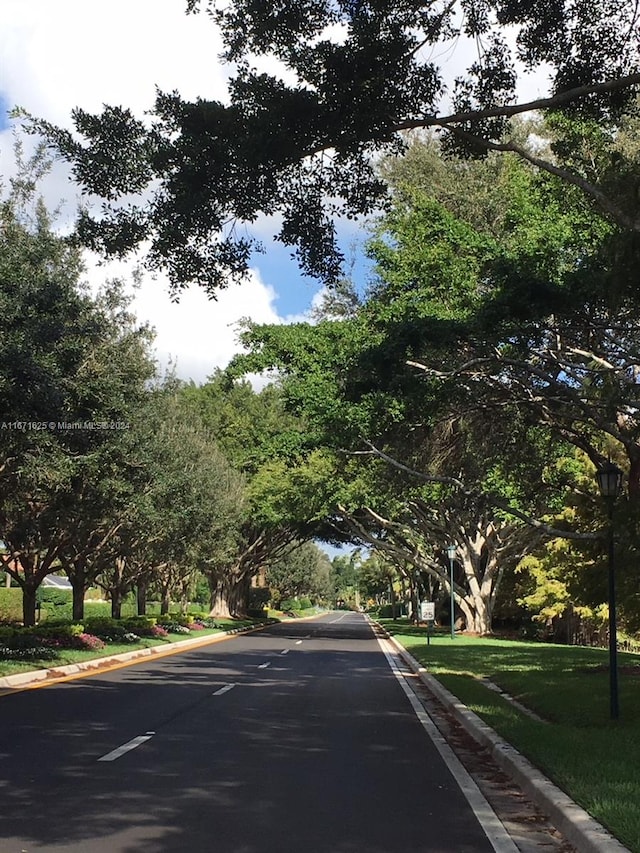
(595, 760)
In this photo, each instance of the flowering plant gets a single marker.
(88, 641)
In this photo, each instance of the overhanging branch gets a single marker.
(497, 502)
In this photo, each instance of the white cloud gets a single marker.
(57, 55)
(196, 334)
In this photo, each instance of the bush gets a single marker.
(60, 633)
(256, 612)
(54, 603)
(63, 635)
(173, 627)
(87, 641)
(293, 604)
(143, 626)
(32, 653)
(385, 611)
(174, 620)
(106, 628)
(10, 604)
(207, 622)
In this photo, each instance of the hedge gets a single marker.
(10, 604)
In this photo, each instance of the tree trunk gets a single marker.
(116, 602)
(29, 601)
(219, 601)
(165, 603)
(393, 601)
(78, 587)
(141, 598)
(229, 593)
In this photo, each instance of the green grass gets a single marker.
(595, 760)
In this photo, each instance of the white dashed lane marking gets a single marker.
(224, 689)
(127, 747)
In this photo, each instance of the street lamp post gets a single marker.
(610, 485)
(451, 553)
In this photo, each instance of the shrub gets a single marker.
(87, 641)
(10, 604)
(172, 627)
(292, 604)
(106, 628)
(159, 631)
(143, 626)
(207, 622)
(170, 621)
(31, 653)
(258, 597)
(59, 633)
(62, 635)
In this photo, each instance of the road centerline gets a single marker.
(224, 689)
(126, 747)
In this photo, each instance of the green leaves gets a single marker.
(300, 144)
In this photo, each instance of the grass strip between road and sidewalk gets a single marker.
(595, 760)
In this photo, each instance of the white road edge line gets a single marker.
(225, 689)
(493, 828)
(265, 665)
(127, 747)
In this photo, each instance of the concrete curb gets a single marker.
(39, 676)
(576, 824)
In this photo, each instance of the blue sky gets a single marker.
(4, 108)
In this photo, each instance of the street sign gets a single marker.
(427, 611)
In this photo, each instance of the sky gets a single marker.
(55, 56)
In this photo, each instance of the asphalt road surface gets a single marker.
(299, 737)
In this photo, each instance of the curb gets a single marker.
(37, 677)
(576, 824)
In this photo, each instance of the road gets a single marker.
(298, 737)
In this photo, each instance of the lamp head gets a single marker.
(609, 478)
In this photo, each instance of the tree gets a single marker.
(263, 442)
(353, 78)
(551, 303)
(303, 570)
(70, 367)
(450, 292)
(186, 509)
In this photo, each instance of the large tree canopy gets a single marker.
(299, 141)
